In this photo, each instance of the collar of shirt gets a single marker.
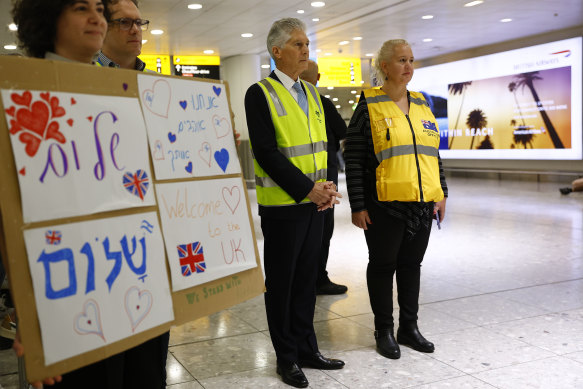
(287, 82)
(106, 62)
(56, 57)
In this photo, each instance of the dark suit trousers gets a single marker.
(291, 253)
(324, 252)
(390, 251)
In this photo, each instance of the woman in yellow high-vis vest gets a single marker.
(396, 186)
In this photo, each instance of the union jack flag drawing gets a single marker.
(136, 183)
(191, 258)
(53, 237)
(429, 125)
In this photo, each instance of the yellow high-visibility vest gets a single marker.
(301, 139)
(406, 147)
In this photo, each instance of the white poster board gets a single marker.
(189, 127)
(206, 229)
(73, 148)
(96, 282)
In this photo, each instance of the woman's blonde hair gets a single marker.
(385, 53)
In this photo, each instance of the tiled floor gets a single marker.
(501, 298)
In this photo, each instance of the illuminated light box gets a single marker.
(201, 66)
(518, 104)
(157, 63)
(339, 72)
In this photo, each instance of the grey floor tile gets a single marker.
(175, 372)
(342, 334)
(218, 325)
(186, 385)
(465, 382)
(365, 368)
(268, 378)
(551, 373)
(225, 355)
(477, 349)
(577, 356)
(252, 312)
(558, 333)
(556, 297)
(486, 309)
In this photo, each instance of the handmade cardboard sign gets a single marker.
(189, 127)
(96, 282)
(83, 235)
(206, 229)
(74, 148)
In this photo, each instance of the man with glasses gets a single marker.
(123, 42)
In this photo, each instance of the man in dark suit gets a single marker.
(335, 131)
(288, 137)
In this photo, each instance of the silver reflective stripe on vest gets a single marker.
(378, 99)
(418, 101)
(300, 150)
(267, 182)
(276, 101)
(314, 93)
(406, 150)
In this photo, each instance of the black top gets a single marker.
(335, 131)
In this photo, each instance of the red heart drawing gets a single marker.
(10, 111)
(35, 119)
(32, 143)
(25, 99)
(22, 171)
(14, 127)
(57, 111)
(45, 96)
(70, 122)
(157, 100)
(73, 101)
(54, 133)
(90, 118)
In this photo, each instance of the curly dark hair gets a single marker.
(37, 23)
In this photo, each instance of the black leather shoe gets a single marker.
(386, 344)
(409, 335)
(292, 375)
(331, 288)
(318, 361)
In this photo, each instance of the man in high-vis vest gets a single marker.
(123, 42)
(287, 130)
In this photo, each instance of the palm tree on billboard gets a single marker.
(458, 89)
(477, 120)
(527, 79)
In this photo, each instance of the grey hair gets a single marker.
(385, 53)
(280, 32)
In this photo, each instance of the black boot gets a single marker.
(409, 335)
(386, 344)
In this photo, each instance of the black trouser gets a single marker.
(141, 367)
(326, 236)
(291, 250)
(390, 251)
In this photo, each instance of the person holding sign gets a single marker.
(123, 42)
(74, 30)
(287, 131)
(396, 185)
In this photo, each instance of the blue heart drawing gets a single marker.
(222, 158)
(182, 104)
(171, 137)
(189, 167)
(217, 90)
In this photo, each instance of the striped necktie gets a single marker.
(302, 100)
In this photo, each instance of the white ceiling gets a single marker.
(219, 24)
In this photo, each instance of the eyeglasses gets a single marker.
(126, 24)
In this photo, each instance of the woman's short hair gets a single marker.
(385, 53)
(37, 23)
(280, 32)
